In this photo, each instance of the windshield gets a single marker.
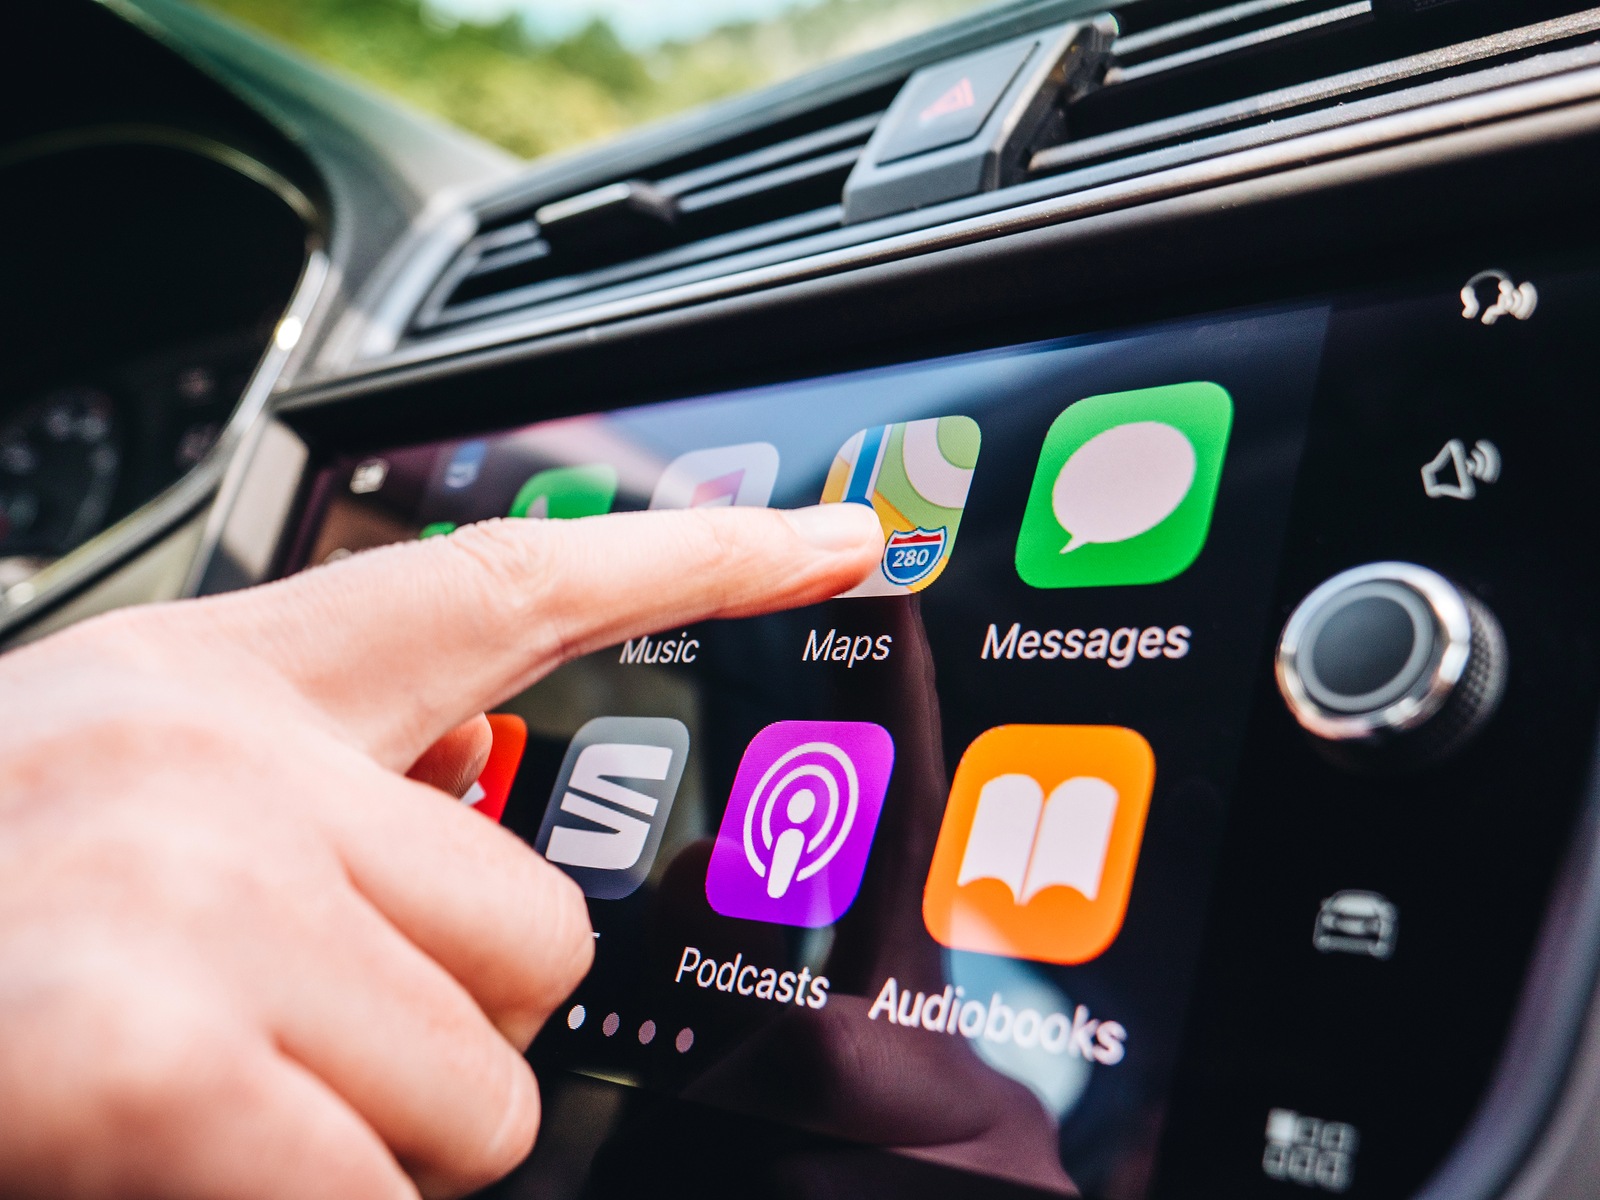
(540, 75)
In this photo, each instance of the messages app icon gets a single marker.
(1036, 854)
(805, 804)
(1125, 487)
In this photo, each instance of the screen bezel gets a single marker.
(850, 326)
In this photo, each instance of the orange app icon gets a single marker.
(1039, 843)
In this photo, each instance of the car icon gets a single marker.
(1356, 922)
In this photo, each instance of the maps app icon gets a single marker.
(915, 475)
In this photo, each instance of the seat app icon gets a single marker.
(1125, 487)
(915, 475)
(738, 476)
(564, 493)
(611, 802)
(1036, 854)
(800, 821)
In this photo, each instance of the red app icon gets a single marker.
(488, 794)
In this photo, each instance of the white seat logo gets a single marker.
(619, 842)
(611, 801)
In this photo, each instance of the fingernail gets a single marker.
(836, 526)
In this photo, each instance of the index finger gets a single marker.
(401, 644)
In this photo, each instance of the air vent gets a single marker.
(1177, 76)
(629, 233)
(1182, 82)
(1232, 29)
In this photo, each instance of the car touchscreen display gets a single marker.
(924, 868)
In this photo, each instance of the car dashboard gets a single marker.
(1199, 799)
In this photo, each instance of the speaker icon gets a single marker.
(1455, 472)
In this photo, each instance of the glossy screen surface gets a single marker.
(924, 868)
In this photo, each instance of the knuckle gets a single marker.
(175, 731)
(514, 564)
(571, 937)
(489, 1133)
(512, 1139)
(162, 1067)
(564, 927)
(167, 739)
(157, 640)
(289, 878)
(558, 923)
(721, 547)
(180, 864)
(139, 740)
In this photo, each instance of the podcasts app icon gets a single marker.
(800, 821)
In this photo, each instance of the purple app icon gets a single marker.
(805, 804)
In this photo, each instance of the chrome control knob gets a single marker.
(1392, 655)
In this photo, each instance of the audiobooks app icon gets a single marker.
(1036, 855)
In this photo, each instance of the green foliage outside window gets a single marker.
(534, 94)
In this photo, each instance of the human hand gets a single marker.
(241, 954)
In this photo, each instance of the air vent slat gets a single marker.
(651, 267)
(855, 132)
(1318, 92)
(1243, 41)
(644, 226)
(1134, 44)
(522, 231)
(511, 256)
(839, 162)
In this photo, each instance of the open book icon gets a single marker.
(1055, 813)
(1030, 843)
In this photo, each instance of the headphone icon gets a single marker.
(1511, 299)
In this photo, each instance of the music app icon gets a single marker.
(800, 821)
(723, 476)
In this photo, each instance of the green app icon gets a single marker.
(567, 492)
(1125, 487)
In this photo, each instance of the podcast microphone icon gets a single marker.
(786, 855)
(805, 803)
(791, 783)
